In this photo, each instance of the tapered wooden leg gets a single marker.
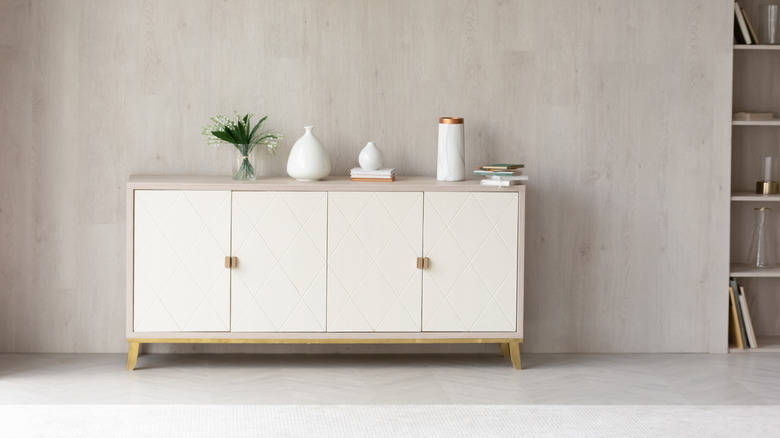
(514, 351)
(132, 355)
(504, 349)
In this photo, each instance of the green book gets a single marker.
(501, 166)
(495, 172)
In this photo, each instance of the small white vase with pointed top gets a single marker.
(370, 158)
(308, 160)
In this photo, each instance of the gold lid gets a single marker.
(451, 120)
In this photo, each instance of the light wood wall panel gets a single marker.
(620, 110)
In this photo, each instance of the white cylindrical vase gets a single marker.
(308, 160)
(452, 150)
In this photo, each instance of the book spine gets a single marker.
(741, 22)
(752, 31)
(751, 335)
(734, 319)
(738, 308)
(493, 182)
(508, 178)
(373, 179)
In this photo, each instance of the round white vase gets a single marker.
(308, 160)
(370, 158)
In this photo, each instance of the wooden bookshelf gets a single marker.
(754, 197)
(756, 47)
(742, 271)
(773, 122)
(756, 88)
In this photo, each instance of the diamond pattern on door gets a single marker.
(374, 240)
(471, 240)
(280, 241)
(180, 241)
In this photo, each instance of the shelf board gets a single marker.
(773, 122)
(752, 196)
(756, 47)
(742, 270)
(766, 344)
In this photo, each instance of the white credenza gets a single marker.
(211, 260)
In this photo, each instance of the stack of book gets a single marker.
(501, 175)
(741, 331)
(379, 175)
(747, 116)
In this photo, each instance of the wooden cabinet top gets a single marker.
(332, 183)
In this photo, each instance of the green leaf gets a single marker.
(266, 136)
(254, 130)
(240, 131)
(232, 134)
(223, 136)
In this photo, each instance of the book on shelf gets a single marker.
(498, 183)
(739, 318)
(750, 116)
(735, 334)
(359, 172)
(508, 177)
(502, 166)
(374, 175)
(741, 32)
(738, 39)
(752, 31)
(496, 172)
(751, 334)
(391, 179)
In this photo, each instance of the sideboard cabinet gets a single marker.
(211, 260)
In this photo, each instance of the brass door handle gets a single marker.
(423, 262)
(231, 262)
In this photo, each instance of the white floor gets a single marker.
(548, 379)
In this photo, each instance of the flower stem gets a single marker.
(245, 170)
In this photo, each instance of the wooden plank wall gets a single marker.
(620, 110)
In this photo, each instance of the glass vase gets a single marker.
(767, 24)
(245, 163)
(762, 252)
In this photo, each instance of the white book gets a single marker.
(372, 172)
(741, 21)
(509, 178)
(498, 183)
(751, 334)
(371, 175)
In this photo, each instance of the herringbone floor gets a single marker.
(564, 379)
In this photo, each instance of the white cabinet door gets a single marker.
(374, 240)
(280, 241)
(180, 281)
(471, 240)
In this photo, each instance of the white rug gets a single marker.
(174, 421)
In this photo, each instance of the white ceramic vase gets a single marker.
(370, 158)
(452, 157)
(308, 160)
